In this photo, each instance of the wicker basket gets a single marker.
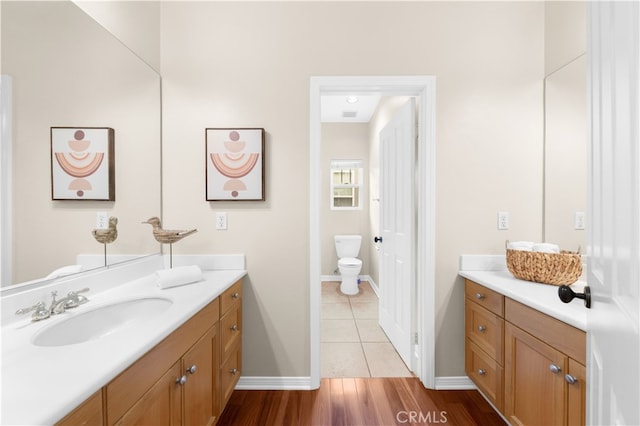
(547, 268)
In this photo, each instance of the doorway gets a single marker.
(423, 88)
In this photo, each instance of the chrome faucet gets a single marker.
(72, 300)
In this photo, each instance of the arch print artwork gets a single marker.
(82, 163)
(235, 164)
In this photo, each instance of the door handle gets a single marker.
(566, 294)
(377, 239)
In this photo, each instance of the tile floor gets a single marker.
(352, 342)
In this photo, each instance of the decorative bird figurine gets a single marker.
(167, 236)
(109, 235)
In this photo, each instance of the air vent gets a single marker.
(349, 114)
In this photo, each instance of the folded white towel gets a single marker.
(179, 276)
(546, 248)
(520, 245)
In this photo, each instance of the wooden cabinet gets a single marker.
(186, 379)
(200, 370)
(534, 394)
(535, 375)
(159, 405)
(231, 340)
(89, 413)
(484, 330)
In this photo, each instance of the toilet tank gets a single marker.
(348, 245)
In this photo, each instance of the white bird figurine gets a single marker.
(166, 236)
(109, 235)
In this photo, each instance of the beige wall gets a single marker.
(343, 141)
(565, 34)
(68, 71)
(248, 64)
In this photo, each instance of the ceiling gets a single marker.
(336, 108)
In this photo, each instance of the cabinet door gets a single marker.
(200, 364)
(87, 414)
(160, 405)
(577, 391)
(534, 380)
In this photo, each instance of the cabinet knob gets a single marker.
(234, 327)
(481, 372)
(235, 295)
(233, 371)
(572, 380)
(554, 368)
(182, 380)
(192, 369)
(482, 328)
(480, 296)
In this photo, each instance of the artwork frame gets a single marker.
(83, 163)
(235, 164)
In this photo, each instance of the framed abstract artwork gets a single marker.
(235, 164)
(82, 163)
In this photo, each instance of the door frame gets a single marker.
(424, 87)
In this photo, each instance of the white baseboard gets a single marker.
(304, 383)
(454, 383)
(274, 383)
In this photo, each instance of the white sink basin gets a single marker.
(100, 321)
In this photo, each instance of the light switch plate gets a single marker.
(503, 220)
(221, 221)
(102, 220)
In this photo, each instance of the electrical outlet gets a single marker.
(503, 220)
(221, 221)
(579, 220)
(102, 220)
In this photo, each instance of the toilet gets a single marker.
(347, 248)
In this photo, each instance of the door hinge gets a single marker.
(415, 338)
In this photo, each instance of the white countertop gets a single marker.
(543, 297)
(40, 385)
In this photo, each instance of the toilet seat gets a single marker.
(350, 262)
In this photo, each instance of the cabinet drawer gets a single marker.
(485, 297)
(485, 329)
(229, 374)
(560, 335)
(231, 330)
(231, 297)
(485, 372)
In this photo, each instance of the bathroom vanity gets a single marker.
(524, 349)
(179, 366)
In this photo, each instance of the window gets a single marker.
(346, 185)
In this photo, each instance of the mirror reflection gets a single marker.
(565, 186)
(68, 71)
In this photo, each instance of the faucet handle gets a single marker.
(40, 311)
(76, 299)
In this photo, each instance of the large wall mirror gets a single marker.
(566, 155)
(68, 71)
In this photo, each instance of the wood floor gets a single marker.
(359, 401)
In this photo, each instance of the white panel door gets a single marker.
(397, 217)
(613, 363)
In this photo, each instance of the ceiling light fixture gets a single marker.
(352, 99)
